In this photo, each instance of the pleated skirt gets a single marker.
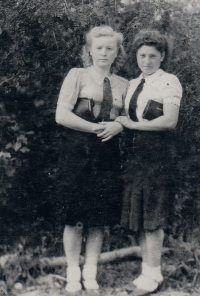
(150, 178)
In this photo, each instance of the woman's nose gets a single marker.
(103, 51)
(147, 60)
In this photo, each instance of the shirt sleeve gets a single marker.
(70, 89)
(172, 91)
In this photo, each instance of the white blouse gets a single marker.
(88, 83)
(162, 87)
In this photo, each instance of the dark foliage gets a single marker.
(40, 41)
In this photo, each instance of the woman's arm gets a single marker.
(67, 99)
(68, 119)
(167, 121)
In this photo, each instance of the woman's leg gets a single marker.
(143, 247)
(151, 246)
(72, 239)
(93, 249)
(154, 244)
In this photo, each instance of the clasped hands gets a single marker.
(107, 129)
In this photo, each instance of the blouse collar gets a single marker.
(151, 78)
(99, 79)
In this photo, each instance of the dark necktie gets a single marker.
(107, 101)
(133, 101)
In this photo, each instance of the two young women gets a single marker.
(90, 162)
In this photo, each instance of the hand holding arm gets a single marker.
(167, 121)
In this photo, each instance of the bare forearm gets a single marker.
(158, 124)
(72, 121)
(167, 121)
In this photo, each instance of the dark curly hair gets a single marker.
(163, 43)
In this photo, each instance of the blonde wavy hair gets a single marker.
(103, 31)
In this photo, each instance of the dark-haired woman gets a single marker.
(89, 185)
(149, 192)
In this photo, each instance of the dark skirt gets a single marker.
(89, 184)
(150, 184)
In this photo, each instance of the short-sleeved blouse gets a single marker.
(88, 83)
(160, 86)
(90, 188)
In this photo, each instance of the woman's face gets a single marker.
(103, 50)
(149, 59)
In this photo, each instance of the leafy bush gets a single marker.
(40, 41)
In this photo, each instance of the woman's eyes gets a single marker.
(144, 56)
(108, 48)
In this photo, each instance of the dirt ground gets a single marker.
(103, 292)
(111, 277)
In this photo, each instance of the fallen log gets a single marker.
(104, 257)
(60, 261)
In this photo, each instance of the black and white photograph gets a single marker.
(99, 147)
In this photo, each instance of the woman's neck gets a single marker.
(104, 72)
(147, 75)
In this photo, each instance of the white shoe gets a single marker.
(138, 280)
(89, 277)
(72, 287)
(147, 284)
(73, 279)
(91, 284)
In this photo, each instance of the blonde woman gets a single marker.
(90, 188)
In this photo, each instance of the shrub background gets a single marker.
(40, 41)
